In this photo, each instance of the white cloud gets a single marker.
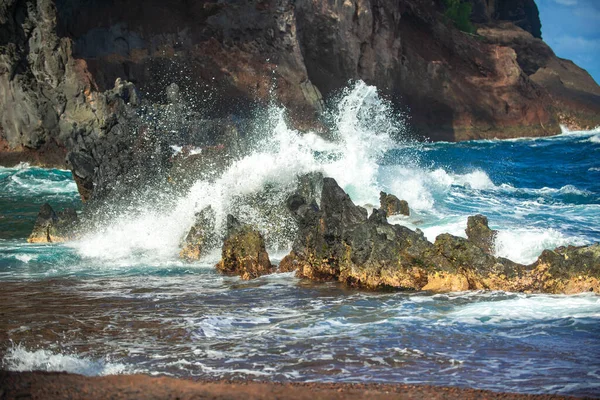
(566, 2)
(575, 44)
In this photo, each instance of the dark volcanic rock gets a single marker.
(392, 205)
(480, 233)
(51, 227)
(522, 13)
(244, 252)
(569, 269)
(337, 242)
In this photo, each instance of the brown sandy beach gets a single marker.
(56, 385)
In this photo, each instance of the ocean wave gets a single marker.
(516, 308)
(27, 180)
(18, 358)
(545, 191)
(524, 245)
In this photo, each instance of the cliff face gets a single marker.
(59, 61)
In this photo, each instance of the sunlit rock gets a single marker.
(244, 252)
(200, 237)
(337, 242)
(392, 205)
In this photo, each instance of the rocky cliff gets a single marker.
(59, 61)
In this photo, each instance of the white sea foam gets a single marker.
(19, 359)
(524, 245)
(362, 128)
(25, 258)
(523, 307)
(24, 179)
(421, 187)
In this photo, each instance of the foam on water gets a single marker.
(517, 308)
(26, 180)
(18, 358)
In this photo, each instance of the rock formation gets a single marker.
(51, 227)
(480, 233)
(201, 236)
(392, 205)
(244, 252)
(60, 59)
(337, 242)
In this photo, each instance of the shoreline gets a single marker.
(62, 385)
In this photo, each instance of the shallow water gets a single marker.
(119, 301)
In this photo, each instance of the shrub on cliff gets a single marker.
(459, 12)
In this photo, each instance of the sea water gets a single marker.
(119, 300)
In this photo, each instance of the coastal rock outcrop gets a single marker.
(337, 242)
(244, 252)
(52, 227)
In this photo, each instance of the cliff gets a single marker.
(59, 61)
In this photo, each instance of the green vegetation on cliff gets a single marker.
(459, 12)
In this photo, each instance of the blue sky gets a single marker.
(572, 29)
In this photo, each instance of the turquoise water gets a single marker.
(119, 300)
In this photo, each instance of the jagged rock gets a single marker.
(392, 205)
(200, 237)
(337, 242)
(51, 227)
(569, 269)
(469, 267)
(244, 252)
(480, 233)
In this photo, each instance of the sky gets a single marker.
(572, 29)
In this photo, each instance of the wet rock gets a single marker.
(480, 234)
(201, 236)
(244, 252)
(336, 242)
(568, 270)
(469, 267)
(392, 205)
(51, 227)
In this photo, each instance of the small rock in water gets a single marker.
(51, 227)
(393, 205)
(200, 237)
(244, 252)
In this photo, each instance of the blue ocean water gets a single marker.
(119, 300)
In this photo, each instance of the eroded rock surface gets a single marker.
(243, 252)
(393, 205)
(480, 233)
(337, 242)
(201, 236)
